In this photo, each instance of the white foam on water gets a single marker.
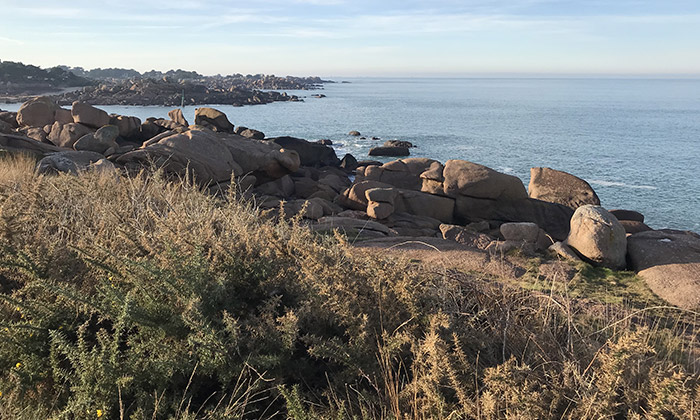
(621, 184)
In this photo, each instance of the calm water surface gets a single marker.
(636, 141)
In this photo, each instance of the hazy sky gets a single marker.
(358, 37)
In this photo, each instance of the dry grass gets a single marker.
(146, 298)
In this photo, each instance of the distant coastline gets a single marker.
(65, 85)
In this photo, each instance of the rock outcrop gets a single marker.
(213, 157)
(669, 262)
(415, 197)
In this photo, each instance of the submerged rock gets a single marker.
(389, 151)
(398, 143)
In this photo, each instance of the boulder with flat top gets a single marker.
(669, 262)
(89, 115)
(389, 151)
(559, 187)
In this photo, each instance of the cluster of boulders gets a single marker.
(170, 92)
(458, 201)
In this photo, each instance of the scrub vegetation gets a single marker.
(146, 298)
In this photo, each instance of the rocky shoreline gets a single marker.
(557, 216)
(20, 83)
(167, 92)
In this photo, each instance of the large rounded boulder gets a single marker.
(37, 112)
(598, 236)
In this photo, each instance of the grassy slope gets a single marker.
(141, 298)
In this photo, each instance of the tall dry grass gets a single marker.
(142, 297)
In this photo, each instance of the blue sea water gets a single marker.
(636, 141)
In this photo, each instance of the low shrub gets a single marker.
(143, 297)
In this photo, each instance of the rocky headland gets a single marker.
(453, 205)
(19, 83)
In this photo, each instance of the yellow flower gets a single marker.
(0, 393)
(18, 365)
(99, 413)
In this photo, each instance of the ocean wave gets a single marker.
(621, 184)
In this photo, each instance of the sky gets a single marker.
(359, 37)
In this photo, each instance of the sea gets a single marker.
(636, 141)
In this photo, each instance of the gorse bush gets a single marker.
(140, 297)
